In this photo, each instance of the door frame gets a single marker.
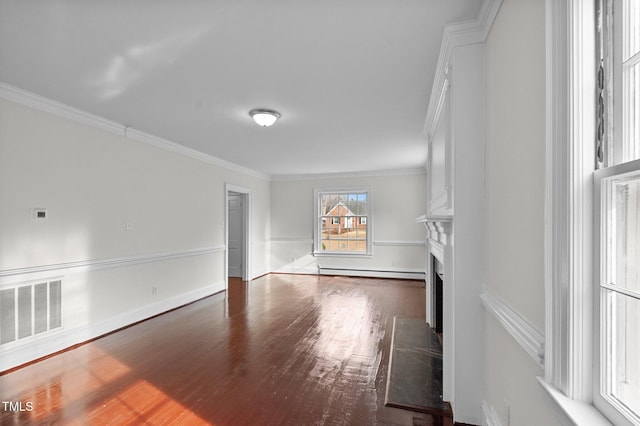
(246, 224)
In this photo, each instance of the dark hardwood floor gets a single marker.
(280, 350)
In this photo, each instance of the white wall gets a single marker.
(515, 205)
(92, 182)
(398, 241)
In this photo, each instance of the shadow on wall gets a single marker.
(301, 264)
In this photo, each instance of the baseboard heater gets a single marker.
(374, 273)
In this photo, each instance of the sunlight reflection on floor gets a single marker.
(62, 398)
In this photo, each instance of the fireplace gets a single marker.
(438, 253)
(437, 271)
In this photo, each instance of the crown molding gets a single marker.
(168, 145)
(455, 35)
(40, 103)
(370, 173)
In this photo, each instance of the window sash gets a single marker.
(342, 229)
(617, 290)
(621, 41)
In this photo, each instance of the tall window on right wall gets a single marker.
(617, 215)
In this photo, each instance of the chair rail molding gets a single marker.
(9, 276)
(531, 340)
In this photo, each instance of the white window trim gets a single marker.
(317, 223)
(570, 136)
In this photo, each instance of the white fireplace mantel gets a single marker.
(439, 229)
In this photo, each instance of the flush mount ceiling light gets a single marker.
(264, 117)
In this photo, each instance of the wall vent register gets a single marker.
(30, 309)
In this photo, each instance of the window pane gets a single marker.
(625, 89)
(362, 236)
(630, 95)
(631, 136)
(343, 222)
(362, 204)
(625, 346)
(626, 234)
(632, 27)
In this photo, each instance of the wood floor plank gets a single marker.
(280, 350)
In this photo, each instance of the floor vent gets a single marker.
(31, 309)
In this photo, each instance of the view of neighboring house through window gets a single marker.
(618, 212)
(342, 227)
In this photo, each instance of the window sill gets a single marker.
(570, 412)
(356, 255)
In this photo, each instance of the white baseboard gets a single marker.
(294, 269)
(259, 273)
(32, 349)
(409, 274)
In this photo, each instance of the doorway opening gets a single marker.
(237, 233)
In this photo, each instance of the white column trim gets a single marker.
(557, 211)
(470, 32)
(569, 165)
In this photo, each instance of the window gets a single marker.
(590, 336)
(342, 222)
(617, 214)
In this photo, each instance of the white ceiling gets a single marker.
(351, 78)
